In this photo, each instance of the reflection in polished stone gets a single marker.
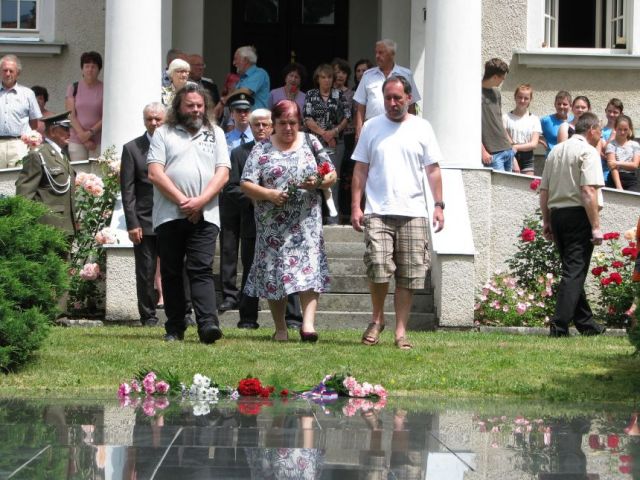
(256, 438)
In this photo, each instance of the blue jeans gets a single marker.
(502, 161)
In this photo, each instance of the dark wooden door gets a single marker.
(310, 32)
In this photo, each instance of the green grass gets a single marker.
(92, 362)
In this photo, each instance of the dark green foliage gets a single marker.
(33, 275)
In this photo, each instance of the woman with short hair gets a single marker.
(84, 101)
(178, 72)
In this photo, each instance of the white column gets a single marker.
(453, 73)
(132, 68)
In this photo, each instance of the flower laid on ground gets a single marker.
(203, 389)
(345, 385)
(95, 197)
(613, 269)
(32, 139)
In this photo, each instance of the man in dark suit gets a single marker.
(47, 176)
(261, 127)
(137, 201)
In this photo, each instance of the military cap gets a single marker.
(60, 120)
(241, 99)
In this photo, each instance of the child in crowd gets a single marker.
(551, 123)
(524, 129)
(580, 105)
(613, 110)
(496, 145)
(623, 156)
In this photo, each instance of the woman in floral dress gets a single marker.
(281, 177)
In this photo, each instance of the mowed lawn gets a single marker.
(91, 362)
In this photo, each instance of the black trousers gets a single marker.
(146, 254)
(572, 235)
(230, 221)
(182, 244)
(248, 306)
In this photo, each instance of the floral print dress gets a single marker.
(289, 252)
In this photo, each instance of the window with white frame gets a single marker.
(585, 23)
(18, 16)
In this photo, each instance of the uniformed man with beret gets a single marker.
(47, 176)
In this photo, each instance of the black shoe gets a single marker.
(160, 306)
(556, 333)
(189, 321)
(248, 325)
(311, 337)
(174, 337)
(227, 305)
(295, 324)
(209, 333)
(150, 322)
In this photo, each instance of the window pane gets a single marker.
(9, 14)
(28, 14)
(547, 7)
(261, 11)
(318, 12)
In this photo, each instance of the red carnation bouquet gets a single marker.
(322, 171)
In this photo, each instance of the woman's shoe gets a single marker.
(311, 337)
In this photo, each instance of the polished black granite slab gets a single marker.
(406, 438)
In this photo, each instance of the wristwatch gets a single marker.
(439, 204)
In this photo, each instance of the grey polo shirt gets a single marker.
(190, 162)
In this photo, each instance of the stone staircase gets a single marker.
(348, 305)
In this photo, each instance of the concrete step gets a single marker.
(361, 302)
(342, 233)
(338, 320)
(360, 284)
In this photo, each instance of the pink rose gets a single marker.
(90, 271)
(162, 387)
(124, 390)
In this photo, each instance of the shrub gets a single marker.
(33, 276)
(95, 198)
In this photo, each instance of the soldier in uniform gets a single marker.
(47, 177)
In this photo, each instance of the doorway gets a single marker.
(309, 32)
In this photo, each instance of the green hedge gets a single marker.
(33, 276)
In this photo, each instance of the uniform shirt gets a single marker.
(369, 92)
(257, 80)
(234, 138)
(190, 162)
(570, 165)
(18, 105)
(397, 153)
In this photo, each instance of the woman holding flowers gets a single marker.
(281, 176)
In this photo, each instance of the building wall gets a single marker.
(504, 29)
(79, 24)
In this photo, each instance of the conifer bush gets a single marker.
(33, 276)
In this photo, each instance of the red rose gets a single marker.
(605, 281)
(284, 392)
(617, 264)
(264, 392)
(324, 169)
(535, 183)
(611, 236)
(616, 278)
(624, 469)
(594, 442)
(612, 441)
(249, 387)
(630, 252)
(528, 235)
(597, 271)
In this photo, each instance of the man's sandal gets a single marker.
(371, 335)
(403, 344)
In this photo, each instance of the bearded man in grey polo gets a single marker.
(188, 166)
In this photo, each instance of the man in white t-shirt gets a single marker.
(368, 95)
(188, 165)
(393, 154)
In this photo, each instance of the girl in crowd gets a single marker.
(293, 74)
(84, 101)
(524, 129)
(613, 110)
(359, 68)
(551, 123)
(580, 105)
(623, 156)
(280, 176)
